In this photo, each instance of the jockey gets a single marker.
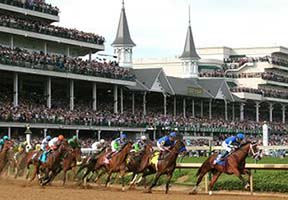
(44, 143)
(3, 140)
(53, 144)
(98, 146)
(74, 142)
(118, 143)
(22, 147)
(230, 143)
(139, 145)
(45, 148)
(165, 143)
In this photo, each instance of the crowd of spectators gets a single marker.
(235, 62)
(273, 93)
(39, 27)
(35, 5)
(24, 58)
(271, 76)
(220, 73)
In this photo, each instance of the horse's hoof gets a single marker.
(147, 191)
(192, 193)
(210, 192)
(247, 187)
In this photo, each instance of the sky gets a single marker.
(158, 27)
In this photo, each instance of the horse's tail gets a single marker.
(205, 165)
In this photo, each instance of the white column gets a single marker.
(201, 111)
(15, 89)
(68, 51)
(283, 113)
(48, 92)
(175, 106)
(233, 112)
(144, 103)
(71, 94)
(133, 103)
(226, 110)
(193, 108)
(12, 42)
(257, 106)
(184, 107)
(99, 135)
(77, 134)
(242, 111)
(90, 56)
(45, 132)
(9, 132)
(210, 109)
(271, 112)
(45, 47)
(121, 100)
(115, 99)
(165, 104)
(94, 96)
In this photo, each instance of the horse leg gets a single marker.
(169, 176)
(133, 179)
(199, 179)
(245, 183)
(99, 176)
(108, 178)
(122, 174)
(213, 181)
(35, 172)
(247, 172)
(157, 176)
(64, 176)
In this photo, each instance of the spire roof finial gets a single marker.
(123, 4)
(189, 15)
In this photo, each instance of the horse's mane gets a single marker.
(245, 143)
(129, 142)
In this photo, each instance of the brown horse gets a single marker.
(233, 164)
(138, 162)
(4, 154)
(70, 162)
(116, 164)
(165, 166)
(51, 166)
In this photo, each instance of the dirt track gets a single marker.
(21, 190)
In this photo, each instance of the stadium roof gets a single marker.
(189, 52)
(123, 38)
(188, 87)
(218, 88)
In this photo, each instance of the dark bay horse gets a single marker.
(4, 154)
(138, 162)
(92, 163)
(233, 164)
(165, 166)
(116, 164)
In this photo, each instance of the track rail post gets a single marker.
(251, 182)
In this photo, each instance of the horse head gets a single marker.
(254, 151)
(77, 154)
(127, 147)
(179, 146)
(251, 147)
(8, 145)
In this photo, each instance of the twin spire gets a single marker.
(123, 38)
(189, 52)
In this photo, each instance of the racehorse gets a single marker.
(91, 162)
(70, 162)
(4, 154)
(138, 162)
(51, 166)
(233, 164)
(116, 164)
(165, 166)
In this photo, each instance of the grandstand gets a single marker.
(45, 82)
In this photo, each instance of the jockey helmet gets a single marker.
(172, 134)
(241, 136)
(5, 138)
(102, 141)
(61, 137)
(143, 137)
(48, 137)
(123, 136)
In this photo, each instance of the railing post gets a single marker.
(251, 181)
(206, 183)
